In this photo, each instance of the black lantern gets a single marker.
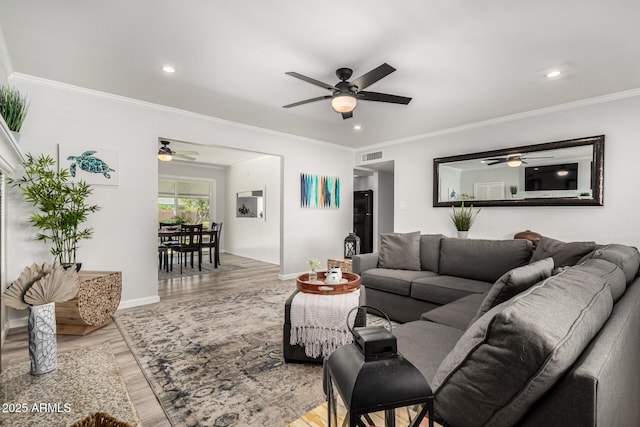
(351, 245)
(371, 376)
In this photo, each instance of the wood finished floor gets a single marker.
(255, 274)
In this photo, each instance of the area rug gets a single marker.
(217, 361)
(207, 268)
(86, 380)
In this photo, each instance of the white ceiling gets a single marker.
(461, 61)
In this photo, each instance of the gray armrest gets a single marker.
(364, 262)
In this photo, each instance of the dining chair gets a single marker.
(210, 240)
(167, 240)
(190, 240)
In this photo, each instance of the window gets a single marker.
(184, 201)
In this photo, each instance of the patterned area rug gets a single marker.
(217, 361)
(207, 268)
(86, 380)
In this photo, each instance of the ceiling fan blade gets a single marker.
(306, 101)
(373, 76)
(182, 156)
(496, 162)
(312, 81)
(348, 115)
(531, 158)
(187, 152)
(383, 97)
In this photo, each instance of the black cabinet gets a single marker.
(363, 219)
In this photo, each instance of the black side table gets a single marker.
(374, 385)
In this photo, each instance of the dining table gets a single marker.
(171, 236)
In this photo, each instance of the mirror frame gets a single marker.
(597, 174)
(255, 190)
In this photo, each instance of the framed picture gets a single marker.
(96, 166)
(319, 191)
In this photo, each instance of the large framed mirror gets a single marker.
(250, 204)
(561, 173)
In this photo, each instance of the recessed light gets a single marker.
(357, 127)
(168, 69)
(553, 74)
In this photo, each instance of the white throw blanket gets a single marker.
(319, 322)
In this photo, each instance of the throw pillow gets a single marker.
(518, 350)
(399, 251)
(514, 282)
(562, 253)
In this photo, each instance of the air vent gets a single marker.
(374, 155)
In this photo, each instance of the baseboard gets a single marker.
(138, 302)
(22, 321)
(290, 275)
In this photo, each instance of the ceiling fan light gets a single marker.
(164, 157)
(344, 103)
(514, 163)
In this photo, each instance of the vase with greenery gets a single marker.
(314, 264)
(37, 289)
(61, 206)
(463, 218)
(13, 107)
(514, 190)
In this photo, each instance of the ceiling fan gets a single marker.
(345, 94)
(513, 160)
(166, 154)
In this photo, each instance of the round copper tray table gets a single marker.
(350, 282)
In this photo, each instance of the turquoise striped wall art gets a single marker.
(319, 191)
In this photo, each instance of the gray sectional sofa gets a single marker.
(508, 334)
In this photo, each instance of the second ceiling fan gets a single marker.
(346, 94)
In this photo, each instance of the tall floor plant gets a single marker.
(61, 205)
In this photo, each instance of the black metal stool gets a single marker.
(372, 376)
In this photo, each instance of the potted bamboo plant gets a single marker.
(463, 218)
(61, 206)
(13, 108)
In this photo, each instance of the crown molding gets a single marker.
(118, 98)
(512, 117)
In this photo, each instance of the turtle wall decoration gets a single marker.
(89, 163)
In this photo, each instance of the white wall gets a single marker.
(126, 228)
(617, 119)
(257, 238)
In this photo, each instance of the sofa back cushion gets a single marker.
(514, 282)
(514, 354)
(611, 273)
(625, 257)
(484, 260)
(563, 254)
(430, 251)
(399, 251)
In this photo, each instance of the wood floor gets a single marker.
(254, 274)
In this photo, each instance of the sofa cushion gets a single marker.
(611, 273)
(425, 344)
(484, 260)
(625, 257)
(446, 289)
(515, 353)
(394, 281)
(515, 281)
(430, 251)
(399, 251)
(562, 253)
(457, 314)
